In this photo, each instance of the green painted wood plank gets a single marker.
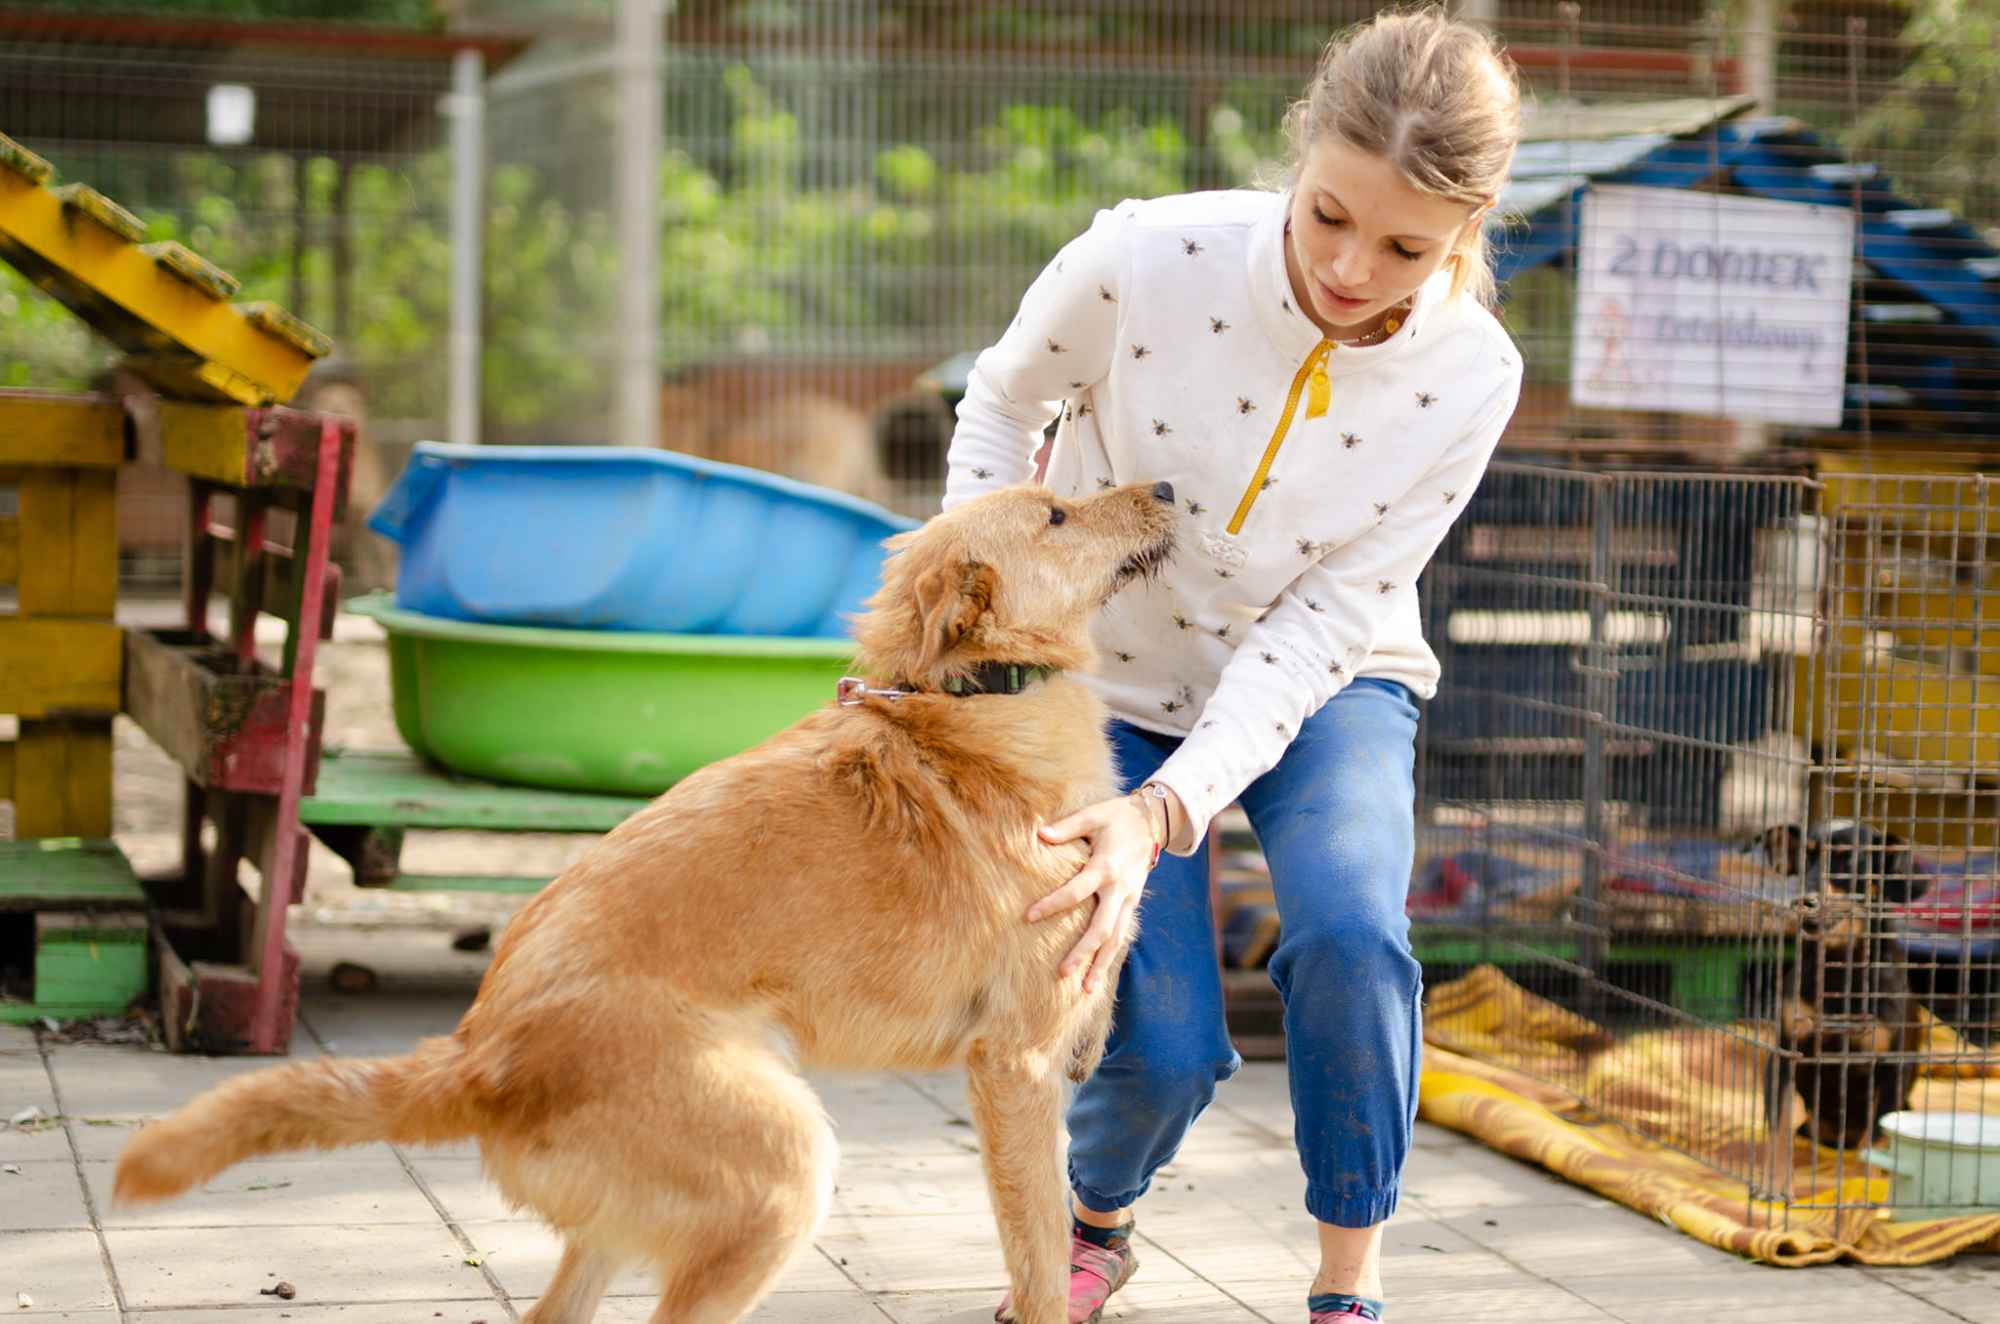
(504, 885)
(65, 871)
(30, 1013)
(381, 788)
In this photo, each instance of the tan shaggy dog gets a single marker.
(850, 894)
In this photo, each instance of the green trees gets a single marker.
(1945, 108)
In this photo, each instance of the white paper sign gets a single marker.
(1698, 303)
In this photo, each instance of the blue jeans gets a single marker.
(1336, 819)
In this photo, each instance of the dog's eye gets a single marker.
(1057, 515)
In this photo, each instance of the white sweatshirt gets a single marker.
(1314, 481)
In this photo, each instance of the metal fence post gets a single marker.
(637, 37)
(466, 108)
(1597, 703)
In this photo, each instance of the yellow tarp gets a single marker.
(1706, 1082)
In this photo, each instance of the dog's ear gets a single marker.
(951, 597)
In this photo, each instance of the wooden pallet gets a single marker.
(77, 907)
(366, 800)
(246, 734)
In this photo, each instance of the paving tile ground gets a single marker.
(383, 1235)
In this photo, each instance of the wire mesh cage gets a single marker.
(1712, 773)
(853, 194)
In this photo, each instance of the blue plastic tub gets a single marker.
(604, 537)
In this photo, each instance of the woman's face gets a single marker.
(1362, 237)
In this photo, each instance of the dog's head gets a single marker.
(1010, 576)
(1846, 857)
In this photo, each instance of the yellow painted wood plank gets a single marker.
(63, 779)
(65, 431)
(94, 590)
(69, 542)
(10, 549)
(89, 202)
(54, 666)
(23, 162)
(45, 504)
(6, 770)
(205, 441)
(181, 335)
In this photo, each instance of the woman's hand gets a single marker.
(1124, 835)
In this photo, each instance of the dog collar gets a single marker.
(997, 678)
(987, 678)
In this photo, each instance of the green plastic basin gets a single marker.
(593, 710)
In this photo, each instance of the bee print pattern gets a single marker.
(1334, 668)
(1244, 405)
(1425, 399)
(1191, 248)
(1381, 509)
(1285, 304)
(1207, 724)
(1270, 659)
(1450, 497)
(1056, 348)
(1170, 705)
(1076, 386)
(1222, 632)
(1348, 441)
(1307, 547)
(1105, 484)
(1195, 507)
(1282, 729)
(1161, 428)
(1140, 351)
(1217, 326)
(1267, 484)
(982, 473)
(1121, 655)
(1084, 410)
(1312, 604)
(1225, 574)
(1183, 622)
(1384, 586)
(1106, 295)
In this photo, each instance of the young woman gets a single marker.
(1318, 375)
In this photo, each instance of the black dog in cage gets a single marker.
(1848, 1025)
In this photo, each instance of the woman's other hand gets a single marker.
(1125, 836)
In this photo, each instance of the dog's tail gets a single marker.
(416, 1099)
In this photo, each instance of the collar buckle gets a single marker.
(852, 691)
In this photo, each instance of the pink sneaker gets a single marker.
(1351, 1313)
(1094, 1274)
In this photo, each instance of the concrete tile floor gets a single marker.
(381, 1235)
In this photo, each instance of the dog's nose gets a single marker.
(1809, 916)
(1163, 492)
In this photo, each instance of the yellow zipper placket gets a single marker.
(1311, 380)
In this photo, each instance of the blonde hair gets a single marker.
(1434, 97)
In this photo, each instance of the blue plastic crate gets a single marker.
(604, 537)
